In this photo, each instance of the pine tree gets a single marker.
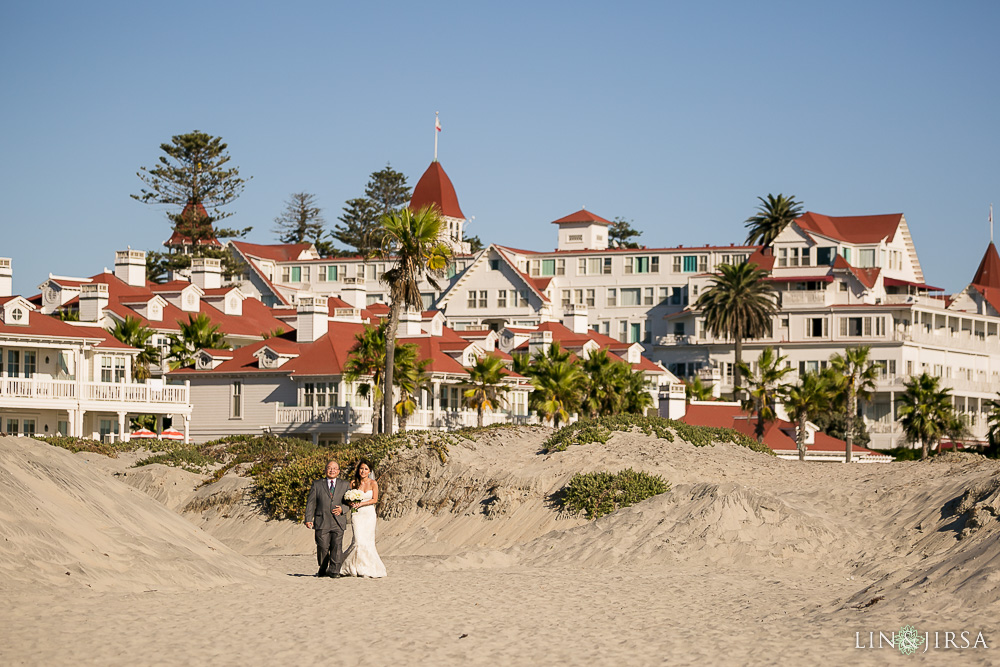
(620, 232)
(386, 193)
(301, 220)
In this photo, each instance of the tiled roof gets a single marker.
(584, 216)
(988, 273)
(853, 229)
(435, 189)
(277, 252)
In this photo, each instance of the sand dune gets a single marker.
(746, 560)
(67, 526)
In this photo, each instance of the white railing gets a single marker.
(421, 419)
(37, 388)
(134, 393)
(343, 414)
(803, 297)
(41, 389)
(961, 340)
(675, 339)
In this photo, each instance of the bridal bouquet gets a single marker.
(354, 496)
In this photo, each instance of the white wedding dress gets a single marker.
(362, 558)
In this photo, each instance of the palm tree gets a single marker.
(198, 333)
(696, 390)
(636, 399)
(605, 380)
(806, 401)
(738, 305)
(993, 422)
(925, 411)
(414, 239)
(859, 374)
(558, 389)
(132, 332)
(410, 379)
(367, 359)
(486, 386)
(764, 387)
(773, 215)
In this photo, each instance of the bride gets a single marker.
(362, 559)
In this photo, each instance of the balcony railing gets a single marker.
(421, 419)
(675, 339)
(804, 298)
(42, 389)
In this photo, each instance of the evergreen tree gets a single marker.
(475, 244)
(620, 232)
(386, 193)
(301, 220)
(194, 175)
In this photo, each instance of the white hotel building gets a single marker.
(840, 281)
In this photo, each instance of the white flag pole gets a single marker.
(437, 128)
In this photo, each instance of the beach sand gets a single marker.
(747, 560)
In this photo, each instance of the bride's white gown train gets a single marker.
(362, 558)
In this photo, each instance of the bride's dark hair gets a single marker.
(356, 480)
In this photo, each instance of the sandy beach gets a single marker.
(746, 560)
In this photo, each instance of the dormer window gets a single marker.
(16, 316)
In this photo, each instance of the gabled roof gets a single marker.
(46, 326)
(582, 216)
(990, 294)
(852, 229)
(277, 252)
(435, 189)
(988, 273)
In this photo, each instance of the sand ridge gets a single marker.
(746, 560)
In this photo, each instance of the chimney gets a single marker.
(206, 272)
(93, 301)
(409, 323)
(312, 319)
(130, 267)
(540, 341)
(354, 292)
(575, 318)
(6, 277)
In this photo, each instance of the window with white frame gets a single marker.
(471, 302)
(612, 296)
(106, 369)
(319, 394)
(591, 298)
(501, 298)
(483, 299)
(119, 369)
(236, 404)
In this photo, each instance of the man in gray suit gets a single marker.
(327, 512)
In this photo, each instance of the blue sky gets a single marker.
(675, 116)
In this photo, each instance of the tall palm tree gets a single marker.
(993, 423)
(132, 332)
(558, 390)
(198, 333)
(738, 305)
(486, 390)
(414, 240)
(696, 390)
(859, 373)
(410, 378)
(773, 215)
(806, 401)
(925, 411)
(605, 384)
(636, 399)
(764, 387)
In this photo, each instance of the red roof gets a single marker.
(991, 294)
(853, 229)
(988, 273)
(584, 216)
(278, 252)
(47, 326)
(896, 282)
(764, 262)
(435, 189)
(776, 433)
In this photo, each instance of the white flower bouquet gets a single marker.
(354, 496)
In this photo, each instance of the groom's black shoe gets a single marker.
(321, 573)
(334, 575)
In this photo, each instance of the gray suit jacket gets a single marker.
(319, 505)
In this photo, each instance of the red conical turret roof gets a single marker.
(435, 189)
(988, 273)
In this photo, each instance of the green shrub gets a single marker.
(186, 457)
(587, 431)
(74, 444)
(600, 493)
